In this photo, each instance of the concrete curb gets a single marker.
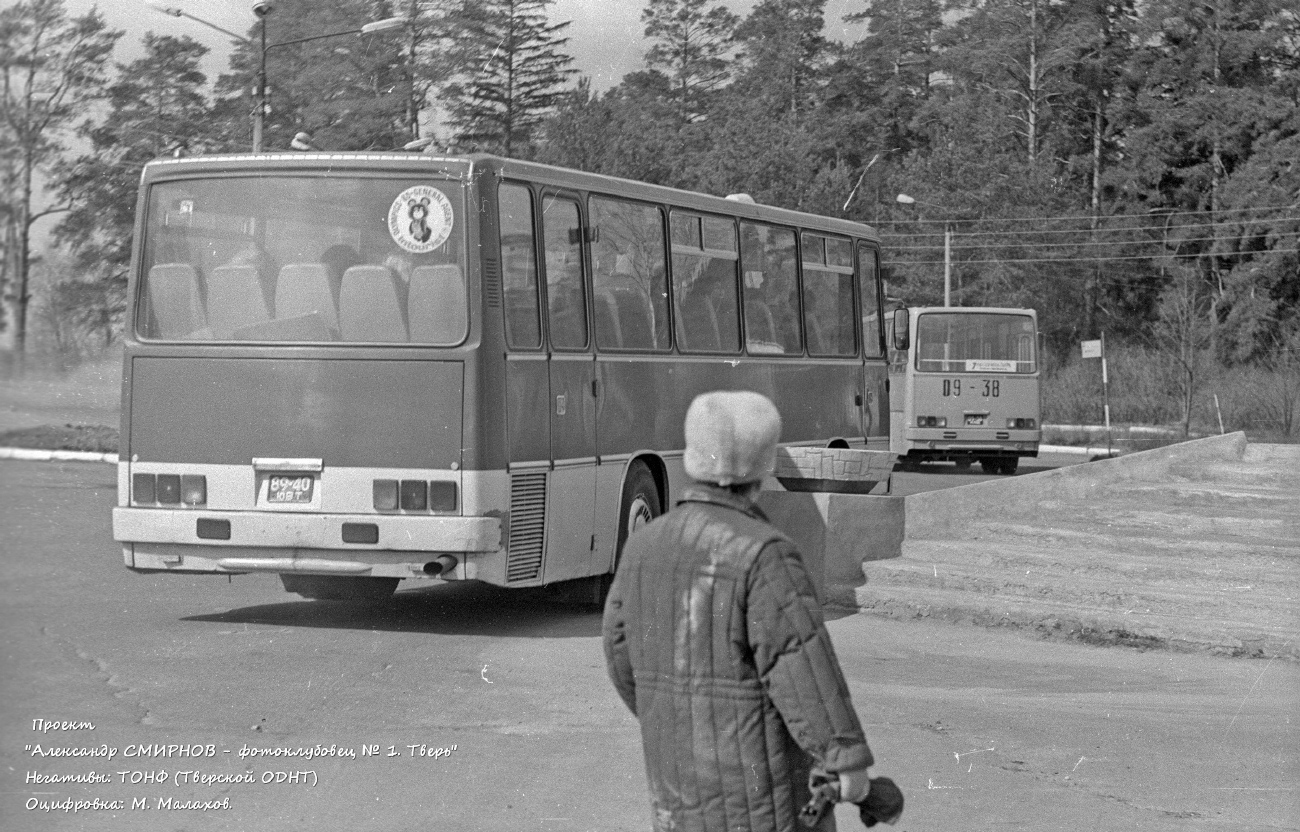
(38, 455)
(1076, 449)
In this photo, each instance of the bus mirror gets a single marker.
(901, 335)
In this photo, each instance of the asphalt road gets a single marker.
(488, 710)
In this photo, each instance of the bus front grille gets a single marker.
(527, 526)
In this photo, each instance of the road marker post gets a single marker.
(1097, 349)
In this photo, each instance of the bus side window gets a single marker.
(519, 267)
(869, 295)
(705, 283)
(767, 257)
(631, 290)
(566, 302)
(828, 296)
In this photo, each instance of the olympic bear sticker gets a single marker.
(420, 219)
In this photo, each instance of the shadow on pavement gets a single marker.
(468, 608)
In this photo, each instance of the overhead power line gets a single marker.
(1088, 218)
(1080, 243)
(1088, 259)
(1157, 228)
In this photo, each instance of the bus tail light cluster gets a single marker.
(931, 421)
(1022, 424)
(415, 495)
(169, 489)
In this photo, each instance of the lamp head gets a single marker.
(161, 7)
(262, 8)
(904, 199)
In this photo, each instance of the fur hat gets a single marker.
(731, 437)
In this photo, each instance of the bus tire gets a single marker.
(339, 587)
(1010, 465)
(639, 505)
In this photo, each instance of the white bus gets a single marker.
(964, 387)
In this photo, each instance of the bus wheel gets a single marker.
(991, 465)
(339, 587)
(1009, 466)
(640, 504)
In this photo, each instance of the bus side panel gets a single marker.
(643, 404)
(527, 395)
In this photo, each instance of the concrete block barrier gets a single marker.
(838, 533)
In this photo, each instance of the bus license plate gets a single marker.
(290, 489)
(974, 421)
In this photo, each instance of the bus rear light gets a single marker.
(194, 489)
(385, 495)
(932, 421)
(144, 488)
(169, 489)
(442, 496)
(1022, 424)
(414, 495)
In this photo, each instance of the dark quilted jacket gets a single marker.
(715, 640)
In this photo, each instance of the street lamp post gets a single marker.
(904, 199)
(262, 9)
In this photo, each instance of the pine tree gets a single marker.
(515, 76)
(350, 92)
(156, 108)
(691, 47)
(1209, 109)
(783, 53)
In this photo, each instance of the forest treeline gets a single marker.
(1123, 166)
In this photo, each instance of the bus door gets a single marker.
(874, 394)
(572, 405)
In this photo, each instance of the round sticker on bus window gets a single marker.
(420, 219)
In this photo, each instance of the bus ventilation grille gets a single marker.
(492, 281)
(527, 526)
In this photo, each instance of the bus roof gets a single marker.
(465, 167)
(965, 310)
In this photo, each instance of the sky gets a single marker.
(605, 36)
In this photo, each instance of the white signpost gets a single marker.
(1097, 349)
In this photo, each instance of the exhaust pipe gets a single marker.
(440, 565)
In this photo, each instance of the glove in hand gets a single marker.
(884, 803)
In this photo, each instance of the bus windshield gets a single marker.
(975, 342)
(304, 258)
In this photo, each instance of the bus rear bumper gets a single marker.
(969, 444)
(217, 530)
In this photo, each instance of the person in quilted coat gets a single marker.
(714, 639)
